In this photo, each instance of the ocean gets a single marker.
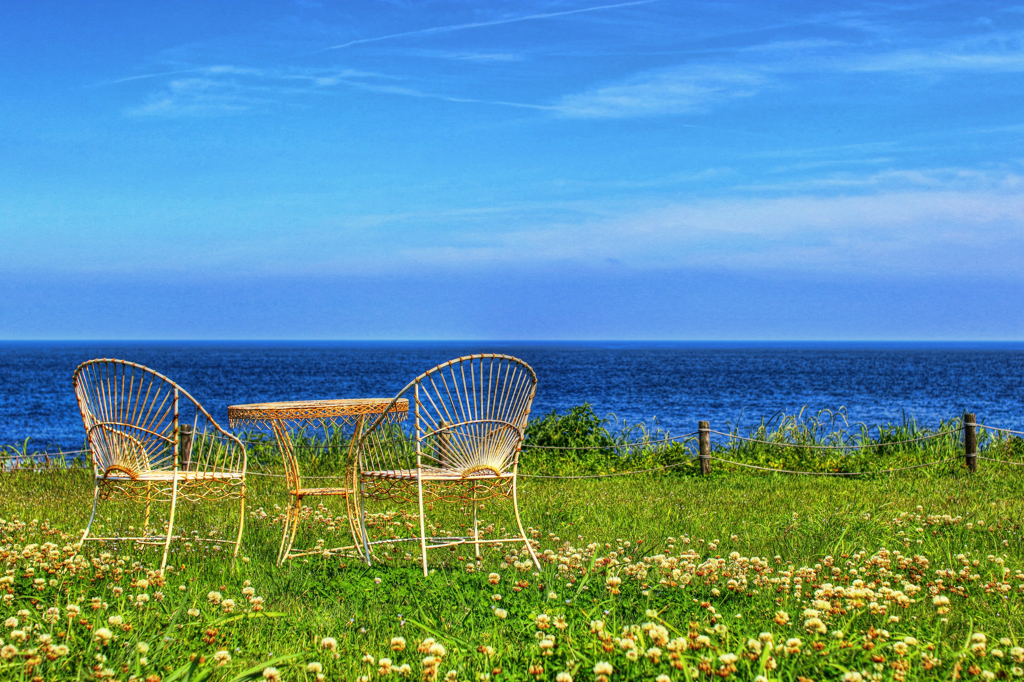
(669, 385)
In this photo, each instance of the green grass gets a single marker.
(701, 569)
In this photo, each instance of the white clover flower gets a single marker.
(603, 668)
(221, 658)
(815, 625)
(329, 643)
(398, 643)
(103, 636)
(501, 613)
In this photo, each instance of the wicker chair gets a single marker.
(463, 443)
(150, 441)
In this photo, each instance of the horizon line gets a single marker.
(520, 341)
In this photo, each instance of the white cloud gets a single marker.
(226, 89)
(913, 232)
(920, 61)
(678, 90)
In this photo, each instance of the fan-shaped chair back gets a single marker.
(139, 422)
(469, 416)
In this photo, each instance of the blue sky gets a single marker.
(516, 170)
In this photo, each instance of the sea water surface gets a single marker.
(670, 385)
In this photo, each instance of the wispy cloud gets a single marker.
(941, 60)
(678, 90)
(897, 179)
(464, 56)
(912, 233)
(483, 24)
(227, 89)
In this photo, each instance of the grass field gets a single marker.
(915, 575)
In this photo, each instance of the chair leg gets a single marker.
(170, 523)
(476, 525)
(423, 526)
(367, 554)
(95, 500)
(350, 511)
(241, 524)
(284, 534)
(295, 527)
(350, 514)
(519, 520)
(149, 504)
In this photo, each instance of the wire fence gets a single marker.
(15, 460)
(859, 446)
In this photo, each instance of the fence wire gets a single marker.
(833, 473)
(1001, 461)
(993, 428)
(837, 447)
(621, 446)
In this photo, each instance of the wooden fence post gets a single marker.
(704, 436)
(970, 442)
(185, 447)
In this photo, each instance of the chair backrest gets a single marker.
(469, 416)
(137, 421)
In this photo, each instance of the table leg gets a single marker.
(291, 470)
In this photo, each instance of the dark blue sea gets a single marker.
(667, 385)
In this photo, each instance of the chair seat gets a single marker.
(304, 492)
(183, 476)
(432, 474)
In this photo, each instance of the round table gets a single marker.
(339, 420)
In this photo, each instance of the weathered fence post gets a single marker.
(185, 448)
(970, 442)
(704, 437)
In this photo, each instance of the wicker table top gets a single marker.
(313, 411)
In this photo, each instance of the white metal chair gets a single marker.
(150, 441)
(463, 443)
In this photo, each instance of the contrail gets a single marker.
(460, 27)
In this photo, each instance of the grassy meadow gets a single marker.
(665, 576)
